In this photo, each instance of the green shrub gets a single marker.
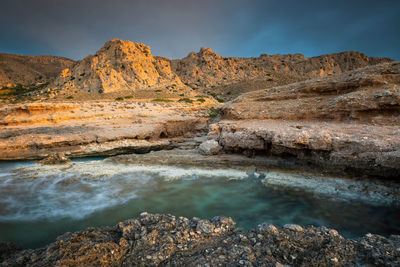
(119, 98)
(128, 96)
(101, 90)
(181, 94)
(213, 112)
(162, 100)
(220, 100)
(201, 100)
(70, 97)
(157, 91)
(187, 100)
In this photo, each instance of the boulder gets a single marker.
(210, 147)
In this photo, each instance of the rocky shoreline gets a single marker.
(166, 240)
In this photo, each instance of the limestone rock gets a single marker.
(55, 158)
(119, 65)
(210, 147)
(370, 94)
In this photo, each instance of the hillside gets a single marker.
(126, 69)
(28, 70)
(231, 76)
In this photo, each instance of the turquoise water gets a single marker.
(38, 203)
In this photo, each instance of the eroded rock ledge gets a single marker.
(336, 147)
(166, 240)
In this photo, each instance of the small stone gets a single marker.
(293, 227)
(204, 226)
(335, 259)
(268, 228)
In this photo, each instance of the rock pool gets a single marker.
(39, 203)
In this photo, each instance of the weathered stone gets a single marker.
(55, 158)
(204, 227)
(210, 147)
(293, 227)
(153, 240)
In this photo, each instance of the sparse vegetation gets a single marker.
(201, 100)
(128, 96)
(220, 100)
(119, 98)
(187, 100)
(162, 100)
(181, 94)
(20, 93)
(213, 112)
(158, 90)
(70, 97)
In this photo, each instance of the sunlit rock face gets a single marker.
(119, 65)
(208, 69)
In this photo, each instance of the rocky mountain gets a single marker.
(123, 66)
(27, 70)
(119, 65)
(207, 69)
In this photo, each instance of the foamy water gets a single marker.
(40, 202)
(76, 190)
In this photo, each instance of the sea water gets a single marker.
(39, 203)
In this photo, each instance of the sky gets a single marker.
(173, 28)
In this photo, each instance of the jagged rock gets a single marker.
(210, 147)
(55, 158)
(166, 240)
(119, 65)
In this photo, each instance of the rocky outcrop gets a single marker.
(34, 131)
(166, 240)
(370, 94)
(343, 123)
(119, 66)
(55, 158)
(355, 149)
(28, 70)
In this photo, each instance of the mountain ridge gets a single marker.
(125, 66)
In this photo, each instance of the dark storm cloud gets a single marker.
(173, 28)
